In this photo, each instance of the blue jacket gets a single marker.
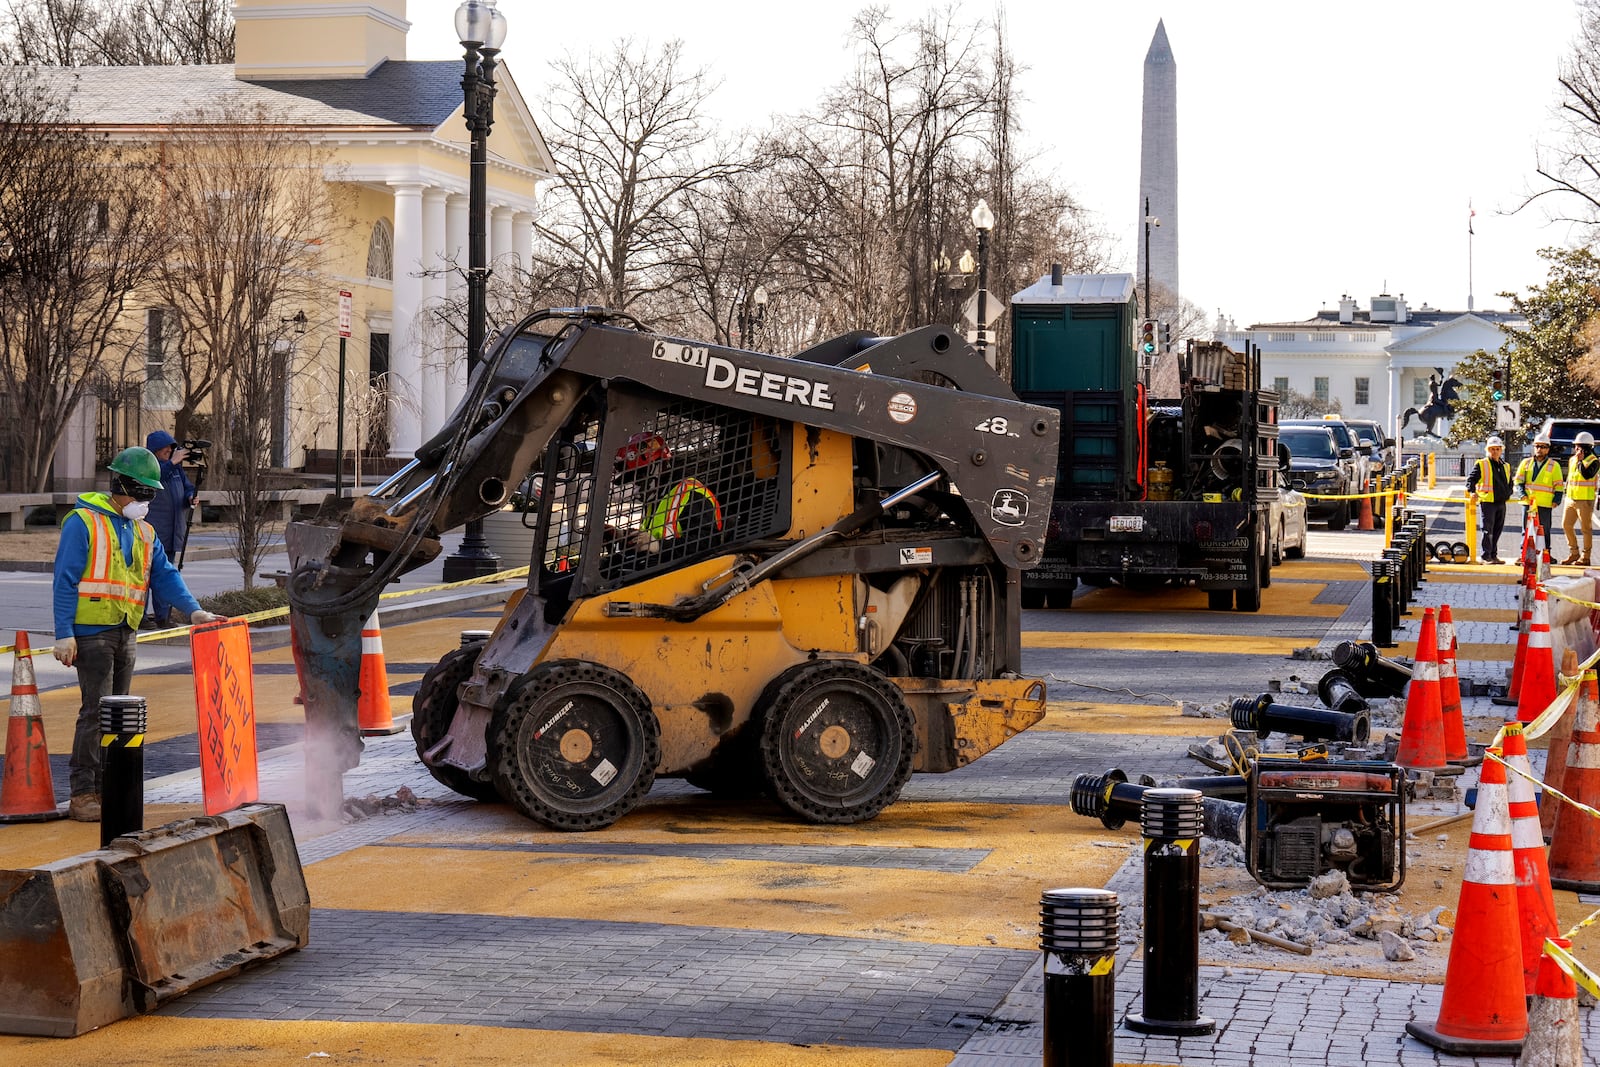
(72, 556)
(169, 511)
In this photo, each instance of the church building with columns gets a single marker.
(398, 146)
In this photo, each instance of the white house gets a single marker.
(1374, 364)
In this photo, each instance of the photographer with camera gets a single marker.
(170, 513)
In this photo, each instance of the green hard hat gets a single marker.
(140, 465)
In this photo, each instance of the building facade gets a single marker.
(1371, 363)
(397, 150)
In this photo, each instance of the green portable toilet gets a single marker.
(1072, 349)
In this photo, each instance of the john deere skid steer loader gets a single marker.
(797, 575)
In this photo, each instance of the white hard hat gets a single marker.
(1494, 442)
(1584, 438)
(1542, 439)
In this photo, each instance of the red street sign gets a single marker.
(346, 309)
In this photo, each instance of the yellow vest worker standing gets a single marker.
(1489, 484)
(107, 562)
(1583, 476)
(1540, 482)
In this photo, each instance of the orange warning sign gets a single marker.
(224, 693)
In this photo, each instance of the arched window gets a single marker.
(380, 251)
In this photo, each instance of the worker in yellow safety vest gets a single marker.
(1583, 476)
(1540, 483)
(1489, 484)
(107, 562)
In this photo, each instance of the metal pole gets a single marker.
(473, 559)
(983, 293)
(123, 721)
(1172, 825)
(1147, 257)
(1078, 933)
(338, 444)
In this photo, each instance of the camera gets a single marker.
(195, 447)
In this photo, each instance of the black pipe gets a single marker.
(1373, 675)
(1221, 786)
(1078, 934)
(1313, 724)
(1171, 821)
(1112, 799)
(122, 728)
(1338, 692)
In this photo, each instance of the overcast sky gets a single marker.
(1323, 148)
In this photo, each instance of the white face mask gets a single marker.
(136, 509)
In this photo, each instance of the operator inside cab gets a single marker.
(673, 509)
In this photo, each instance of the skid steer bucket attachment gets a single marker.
(88, 940)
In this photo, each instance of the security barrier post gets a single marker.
(122, 728)
(1078, 934)
(1172, 823)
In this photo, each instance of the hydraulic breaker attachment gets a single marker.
(88, 940)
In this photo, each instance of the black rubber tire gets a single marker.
(1249, 598)
(1219, 599)
(431, 711)
(1033, 599)
(1297, 551)
(837, 740)
(1267, 563)
(1277, 545)
(594, 770)
(1341, 518)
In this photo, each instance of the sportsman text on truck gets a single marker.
(1148, 491)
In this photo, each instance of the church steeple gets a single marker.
(281, 39)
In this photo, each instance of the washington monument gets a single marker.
(1158, 176)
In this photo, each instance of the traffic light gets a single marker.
(1497, 383)
(1147, 337)
(1165, 329)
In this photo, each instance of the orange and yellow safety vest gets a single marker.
(113, 590)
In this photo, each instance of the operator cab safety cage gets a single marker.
(639, 483)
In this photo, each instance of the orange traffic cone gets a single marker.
(376, 717)
(1575, 846)
(27, 793)
(1555, 1033)
(1557, 740)
(1539, 672)
(1536, 905)
(1524, 626)
(1422, 734)
(1455, 729)
(1484, 1010)
(1364, 522)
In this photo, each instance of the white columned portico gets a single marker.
(405, 363)
(434, 354)
(1392, 426)
(500, 244)
(455, 254)
(522, 237)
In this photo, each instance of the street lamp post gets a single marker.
(1150, 222)
(752, 313)
(481, 28)
(983, 222)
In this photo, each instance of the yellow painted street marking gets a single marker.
(1254, 645)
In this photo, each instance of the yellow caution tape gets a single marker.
(1591, 605)
(276, 613)
(1549, 790)
(1574, 967)
(1590, 921)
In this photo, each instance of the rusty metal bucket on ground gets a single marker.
(94, 938)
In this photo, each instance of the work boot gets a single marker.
(1572, 558)
(1583, 562)
(85, 807)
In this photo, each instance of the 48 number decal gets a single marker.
(997, 424)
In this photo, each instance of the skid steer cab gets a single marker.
(791, 575)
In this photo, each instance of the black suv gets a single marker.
(1316, 469)
(1352, 457)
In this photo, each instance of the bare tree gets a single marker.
(630, 141)
(249, 209)
(116, 32)
(79, 233)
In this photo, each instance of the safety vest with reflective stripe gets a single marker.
(1542, 486)
(112, 590)
(1579, 487)
(1485, 483)
(664, 519)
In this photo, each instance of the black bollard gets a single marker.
(1171, 821)
(1338, 692)
(1372, 675)
(1313, 724)
(1078, 933)
(122, 727)
(1382, 613)
(1112, 799)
